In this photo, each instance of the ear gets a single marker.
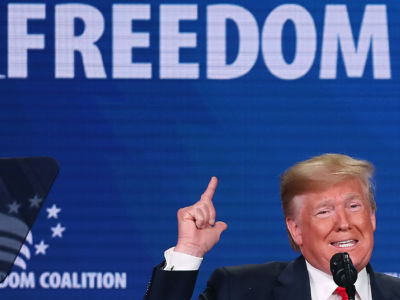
(295, 231)
(373, 220)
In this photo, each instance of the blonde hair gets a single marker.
(319, 173)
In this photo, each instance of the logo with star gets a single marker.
(14, 215)
(57, 230)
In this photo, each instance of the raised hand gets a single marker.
(197, 230)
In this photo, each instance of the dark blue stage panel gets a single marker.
(142, 102)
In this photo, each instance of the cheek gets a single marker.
(366, 222)
(319, 231)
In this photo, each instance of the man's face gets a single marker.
(338, 219)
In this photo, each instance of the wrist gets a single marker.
(189, 250)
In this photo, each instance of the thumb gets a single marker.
(220, 227)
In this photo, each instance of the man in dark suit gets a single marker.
(329, 208)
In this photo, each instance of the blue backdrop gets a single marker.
(142, 104)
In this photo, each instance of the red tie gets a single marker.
(342, 293)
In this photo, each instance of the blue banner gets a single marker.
(141, 103)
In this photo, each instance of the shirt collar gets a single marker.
(363, 286)
(322, 284)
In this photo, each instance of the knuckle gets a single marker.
(179, 213)
(182, 211)
(205, 211)
(203, 206)
(199, 214)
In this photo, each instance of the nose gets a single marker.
(342, 219)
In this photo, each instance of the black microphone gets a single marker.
(343, 272)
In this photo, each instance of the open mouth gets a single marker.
(345, 244)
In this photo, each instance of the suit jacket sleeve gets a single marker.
(242, 282)
(173, 285)
(170, 285)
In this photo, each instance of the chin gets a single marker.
(361, 263)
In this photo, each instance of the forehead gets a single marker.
(343, 191)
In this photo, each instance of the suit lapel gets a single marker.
(293, 282)
(377, 292)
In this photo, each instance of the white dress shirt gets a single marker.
(322, 284)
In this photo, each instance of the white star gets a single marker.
(57, 231)
(35, 201)
(53, 212)
(41, 248)
(13, 207)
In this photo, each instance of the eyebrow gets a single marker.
(323, 203)
(347, 197)
(351, 196)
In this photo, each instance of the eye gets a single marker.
(355, 206)
(323, 212)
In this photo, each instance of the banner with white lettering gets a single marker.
(141, 103)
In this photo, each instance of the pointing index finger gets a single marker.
(209, 192)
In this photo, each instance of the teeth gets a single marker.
(344, 244)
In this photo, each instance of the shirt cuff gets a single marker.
(177, 261)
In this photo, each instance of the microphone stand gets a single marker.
(349, 285)
(351, 292)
